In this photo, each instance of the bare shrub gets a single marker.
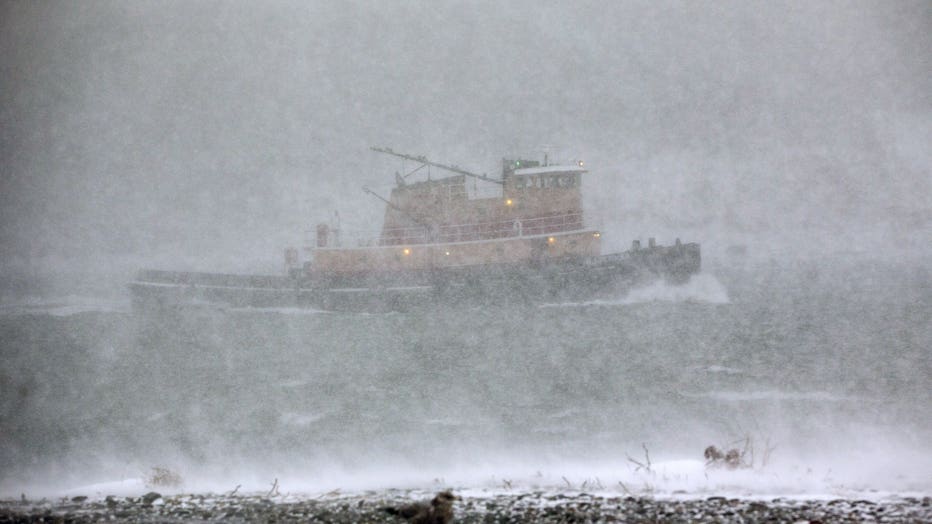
(161, 477)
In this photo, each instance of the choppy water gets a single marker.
(826, 362)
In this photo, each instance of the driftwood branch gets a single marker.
(642, 465)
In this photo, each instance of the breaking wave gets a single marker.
(615, 476)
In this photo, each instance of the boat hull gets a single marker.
(571, 279)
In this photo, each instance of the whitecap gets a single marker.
(280, 310)
(767, 395)
(300, 419)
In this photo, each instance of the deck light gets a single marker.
(406, 251)
(597, 234)
(509, 202)
(447, 253)
(580, 163)
(551, 240)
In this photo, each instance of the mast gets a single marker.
(426, 162)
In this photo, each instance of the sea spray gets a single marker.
(703, 288)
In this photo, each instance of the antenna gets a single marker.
(545, 148)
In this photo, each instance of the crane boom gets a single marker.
(425, 161)
(395, 207)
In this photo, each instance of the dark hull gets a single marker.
(552, 281)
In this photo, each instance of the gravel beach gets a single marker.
(523, 507)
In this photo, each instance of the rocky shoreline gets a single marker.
(506, 507)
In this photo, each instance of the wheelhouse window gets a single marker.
(567, 180)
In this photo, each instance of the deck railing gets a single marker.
(442, 234)
(510, 228)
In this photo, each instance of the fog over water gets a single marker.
(211, 135)
(219, 131)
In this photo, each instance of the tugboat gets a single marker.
(439, 245)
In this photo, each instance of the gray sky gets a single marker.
(203, 128)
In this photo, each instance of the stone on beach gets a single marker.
(439, 511)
